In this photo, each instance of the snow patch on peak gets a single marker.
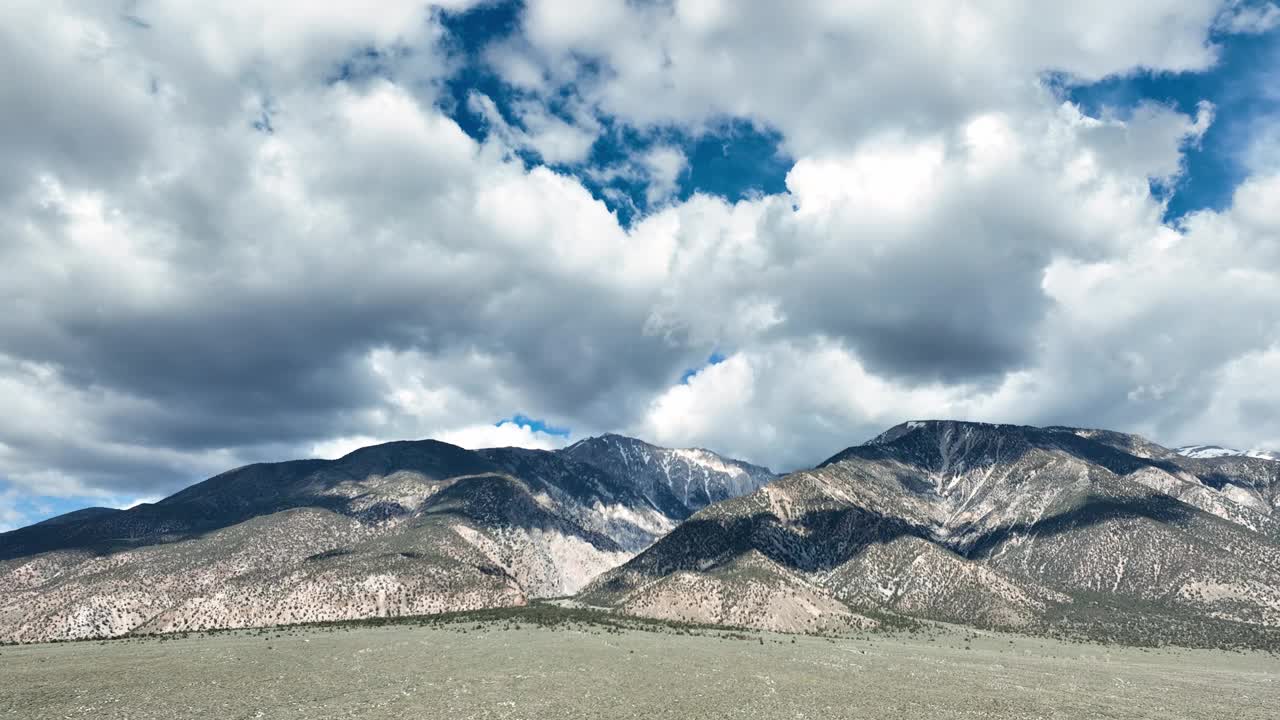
(670, 477)
(1206, 451)
(708, 460)
(1216, 451)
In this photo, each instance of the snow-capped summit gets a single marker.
(691, 478)
(1202, 452)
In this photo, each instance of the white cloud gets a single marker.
(927, 255)
(508, 434)
(1262, 152)
(1250, 17)
(1038, 235)
(10, 517)
(568, 24)
(334, 448)
(792, 403)
(189, 293)
(1242, 403)
(826, 74)
(664, 165)
(557, 141)
(472, 437)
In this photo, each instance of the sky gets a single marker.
(239, 231)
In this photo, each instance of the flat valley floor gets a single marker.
(498, 669)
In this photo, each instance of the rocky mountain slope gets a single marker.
(1236, 487)
(1045, 530)
(1050, 530)
(400, 528)
(687, 479)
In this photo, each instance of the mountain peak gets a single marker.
(394, 446)
(611, 438)
(929, 434)
(1001, 525)
(910, 426)
(692, 478)
(1204, 452)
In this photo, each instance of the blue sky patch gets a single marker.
(737, 159)
(734, 158)
(1238, 86)
(35, 508)
(715, 359)
(534, 425)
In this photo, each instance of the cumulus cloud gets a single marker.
(10, 516)
(507, 434)
(557, 141)
(925, 255)
(243, 233)
(826, 74)
(663, 165)
(802, 399)
(1171, 332)
(1250, 17)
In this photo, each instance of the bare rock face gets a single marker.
(1052, 529)
(680, 480)
(404, 528)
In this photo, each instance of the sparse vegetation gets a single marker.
(548, 661)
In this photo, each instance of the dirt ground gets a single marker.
(500, 670)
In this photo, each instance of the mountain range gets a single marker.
(396, 529)
(1083, 532)
(1055, 530)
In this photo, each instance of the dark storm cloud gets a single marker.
(960, 309)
